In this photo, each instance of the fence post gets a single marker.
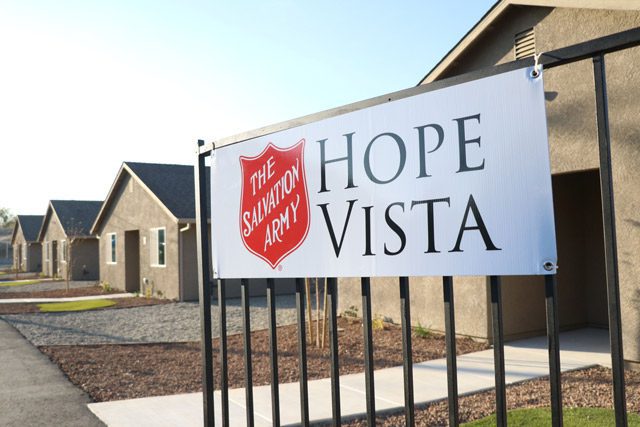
(553, 344)
(204, 285)
(407, 352)
(450, 337)
(498, 350)
(610, 244)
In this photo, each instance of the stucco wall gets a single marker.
(573, 147)
(18, 243)
(189, 263)
(83, 259)
(34, 257)
(135, 209)
(53, 232)
(82, 256)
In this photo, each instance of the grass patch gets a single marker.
(20, 283)
(52, 307)
(571, 417)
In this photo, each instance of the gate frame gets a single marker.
(594, 49)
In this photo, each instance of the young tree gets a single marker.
(74, 233)
(7, 218)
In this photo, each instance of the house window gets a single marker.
(158, 247)
(46, 251)
(63, 250)
(111, 249)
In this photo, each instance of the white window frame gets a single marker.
(155, 246)
(112, 248)
(46, 251)
(63, 251)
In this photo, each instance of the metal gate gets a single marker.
(596, 50)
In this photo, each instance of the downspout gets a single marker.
(181, 257)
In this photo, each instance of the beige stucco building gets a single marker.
(521, 28)
(69, 250)
(147, 233)
(27, 251)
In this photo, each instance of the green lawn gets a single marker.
(75, 305)
(571, 417)
(20, 283)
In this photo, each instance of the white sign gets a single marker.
(450, 182)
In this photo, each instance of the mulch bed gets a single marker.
(584, 388)
(20, 308)
(114, 372)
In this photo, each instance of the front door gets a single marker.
(17, 256)
(132, 261)
(54, 258)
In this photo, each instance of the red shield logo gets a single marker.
(274, 206)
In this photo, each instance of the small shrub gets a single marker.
(378, 323)
(422, 332)
(42, 275)
(352, 311)
(106, 287)
(160, 294)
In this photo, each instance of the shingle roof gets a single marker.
(76, 216)
(30, 225)
(172, 184)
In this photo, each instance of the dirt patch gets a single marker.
(113, 372)
(19, 308)
(590, 388)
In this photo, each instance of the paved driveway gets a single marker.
(33, 391)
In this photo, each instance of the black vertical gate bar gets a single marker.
(407, 352)
(553, 344)
(246, 335)
(273, 353)
(365, 288)
(224, 368)
(302, 351)
(498, 351)
(611, 250)
(332, 283)
(204, 286)
(450, 338)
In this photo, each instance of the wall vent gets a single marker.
(525, 44)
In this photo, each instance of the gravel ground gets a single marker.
(46, 286)
(174, 322)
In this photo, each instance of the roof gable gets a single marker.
(498, 9)
(172, 186)
(75, 216)
(30, 226)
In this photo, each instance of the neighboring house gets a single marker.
(27, 251)
(515, 29)
(6, 250)
(147, 233)
(67, 243)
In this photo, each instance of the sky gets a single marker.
(86, 85)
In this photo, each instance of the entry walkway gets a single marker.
(524, 360)
(33, 391)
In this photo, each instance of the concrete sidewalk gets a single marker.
(63, 299)
(33, 391)
(525, 359)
